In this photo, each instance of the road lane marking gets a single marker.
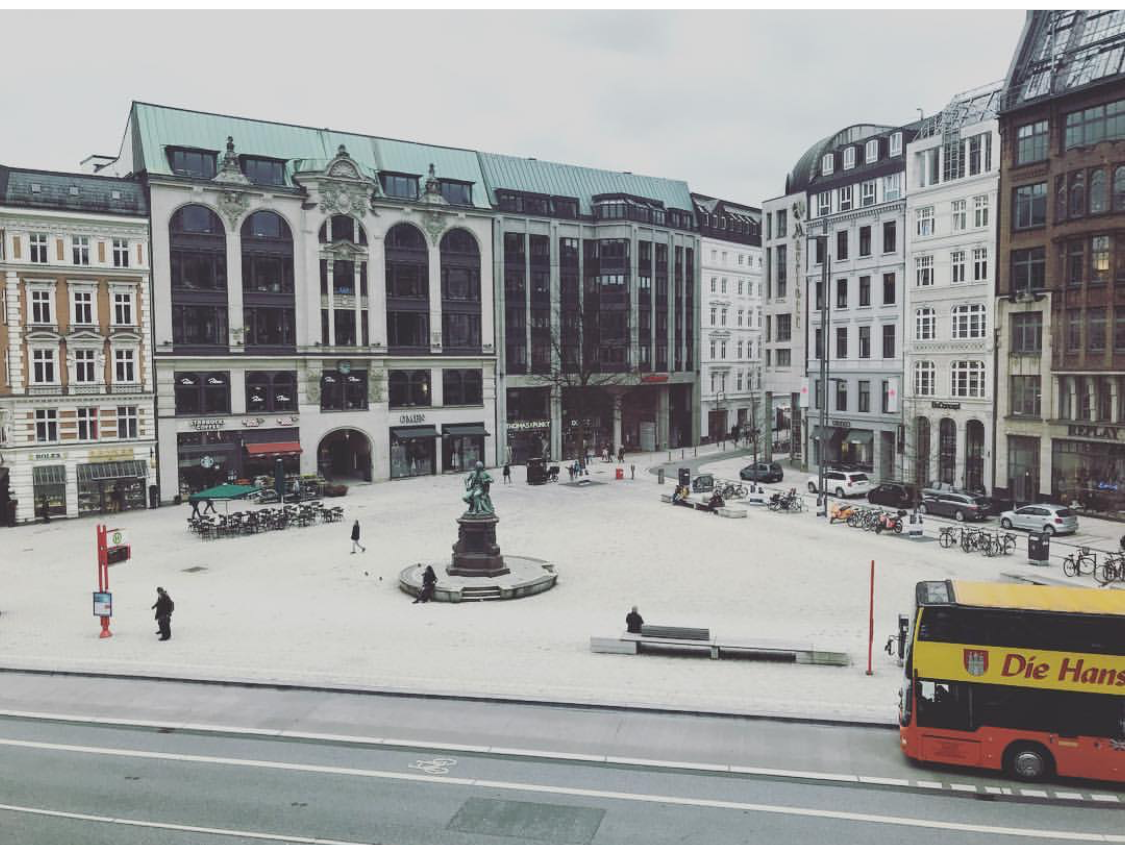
(436, 766)
(479, 783)
(392, 743)
(1034, 793)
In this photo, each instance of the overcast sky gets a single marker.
(727, 101)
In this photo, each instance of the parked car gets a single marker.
(769, 473)
(842, 483)
(894, 494)
(1050, 519)
(956, 503)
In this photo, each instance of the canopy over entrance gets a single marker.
(224, 492)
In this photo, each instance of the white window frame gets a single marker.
(86, 422)
(125, 368)
(892, 187)
(44, 365)
(871, 151)
(967, 379)
(823, 203)
(130, 291)
(957, 266)
(37, 248)
(968, 321)
(925, 378)
(924, 271)
(120, 252)
(924, 221)
(46, 425)
(89, 363)
(126, 415)
(925, 324)
(868, 193)
(80, 250)
(980, 264)
(846, 197)
(849, 158)
(90, 290)
(828, 164)
(41, 296)
(980, 211)
(896, 143)
(959, 215)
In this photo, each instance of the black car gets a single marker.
(894, 494)
(769, 473)
(957, 504)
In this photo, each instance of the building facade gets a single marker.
(948, 391)
(77, 424)
(730, 316)
(1061, 321)
(784, 336)
(323, 301)
(597, 292)
(856, 187)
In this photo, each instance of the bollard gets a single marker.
(660, 476)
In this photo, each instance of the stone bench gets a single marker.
(701, 505)
(675, 632)
(700, 638)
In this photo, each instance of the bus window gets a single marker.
(943, 704)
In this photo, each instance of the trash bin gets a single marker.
(660, 476)
(1039, 548)
(685, 477)
(619, 474)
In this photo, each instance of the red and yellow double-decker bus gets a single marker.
(1022, 678)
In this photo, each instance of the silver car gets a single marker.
(1050, 519)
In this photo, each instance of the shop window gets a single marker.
(49, 489)
(462, 387)
(343, 391)
(269, 391)
(202, 393)
(197, 250)
(409, 388)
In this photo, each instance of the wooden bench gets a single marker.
(672, 632)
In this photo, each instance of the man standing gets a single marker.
(507, 474)
(164, 607)
(633, 621)
(355, 538)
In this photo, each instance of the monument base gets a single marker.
(476, 554)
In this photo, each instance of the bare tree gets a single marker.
(575, 370)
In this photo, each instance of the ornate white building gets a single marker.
(952, 171)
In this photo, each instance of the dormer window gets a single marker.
(849, 158)
(896, 144)
(871, 153)
(263, 171)
(399, 185)
(827, 165)
(456, 192)
(198, 164)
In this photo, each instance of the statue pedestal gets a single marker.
(476, 552)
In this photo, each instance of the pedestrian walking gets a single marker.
(507, 474)
(45, 508)
(620, 454)
(429, 581)
(164, 607)
(632, 472)
(355, 538)
(634, 621)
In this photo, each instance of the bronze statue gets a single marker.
(478, 484)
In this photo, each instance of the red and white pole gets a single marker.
(103, 577)
(871, 619)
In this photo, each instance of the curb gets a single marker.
(482, 699)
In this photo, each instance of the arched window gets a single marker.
(1097, 191)
(968, 321)
(343, 228)
(460, 291)
(197, 255)
(409, 388)
(408, 288)
(267, 254)
(1077, 194)
(1119, 189)
(925, 324)
(921, 451)
(947, 451)
(974, 455)
(924, 378)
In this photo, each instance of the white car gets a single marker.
(1048, 518)
(842, 484)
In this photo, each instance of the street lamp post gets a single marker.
(822, 388)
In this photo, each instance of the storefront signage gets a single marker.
(527, 425)
(46, 456)
(840, 423)
(103, 455)
(411, 419)
(103, 604)
(946, 406)
(344, 367)
(253, 423)
(1099, 432)
(654, 378)
(207, 462)
(207, 425)
(289, 421)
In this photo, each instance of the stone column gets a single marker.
(617, 402)
(358, 304)
(15, 347)
(1091, 385)
(331, 305)
(765, 426)
(377, 294)
(1114, 398)
(235, 317)
(556, 424)
(662, 404)
(435, 298)
(961, 463)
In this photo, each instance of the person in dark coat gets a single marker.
(164, 607)
(429, 581)
(355, 538)
(620, 454)
(507, 474)
(634, 621)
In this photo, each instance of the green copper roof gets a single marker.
(569, 180)
(155, 128)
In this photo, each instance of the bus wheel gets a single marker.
(1028, 761)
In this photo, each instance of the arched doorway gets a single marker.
(974, 455)
(921, 451)
(344, 455)
(947, 451)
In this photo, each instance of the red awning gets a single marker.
(270, 450)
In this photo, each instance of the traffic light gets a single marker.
(118, 554)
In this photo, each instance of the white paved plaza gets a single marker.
(296, 606)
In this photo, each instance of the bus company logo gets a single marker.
(976, 661)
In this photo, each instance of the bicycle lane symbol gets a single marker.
(436, 766)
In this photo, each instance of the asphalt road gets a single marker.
(191, 763)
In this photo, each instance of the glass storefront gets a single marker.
(1023, 468)
(49, 489)
(111, 486)
(413, 451)
(528, 439)
(206, 459)
(462, 445)
(1089, 476)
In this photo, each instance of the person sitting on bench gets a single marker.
(634, 621)
(716, 501)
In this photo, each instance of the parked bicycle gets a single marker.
(1082, 562)
(950, 536)
(1112, 568)
(791, 502)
